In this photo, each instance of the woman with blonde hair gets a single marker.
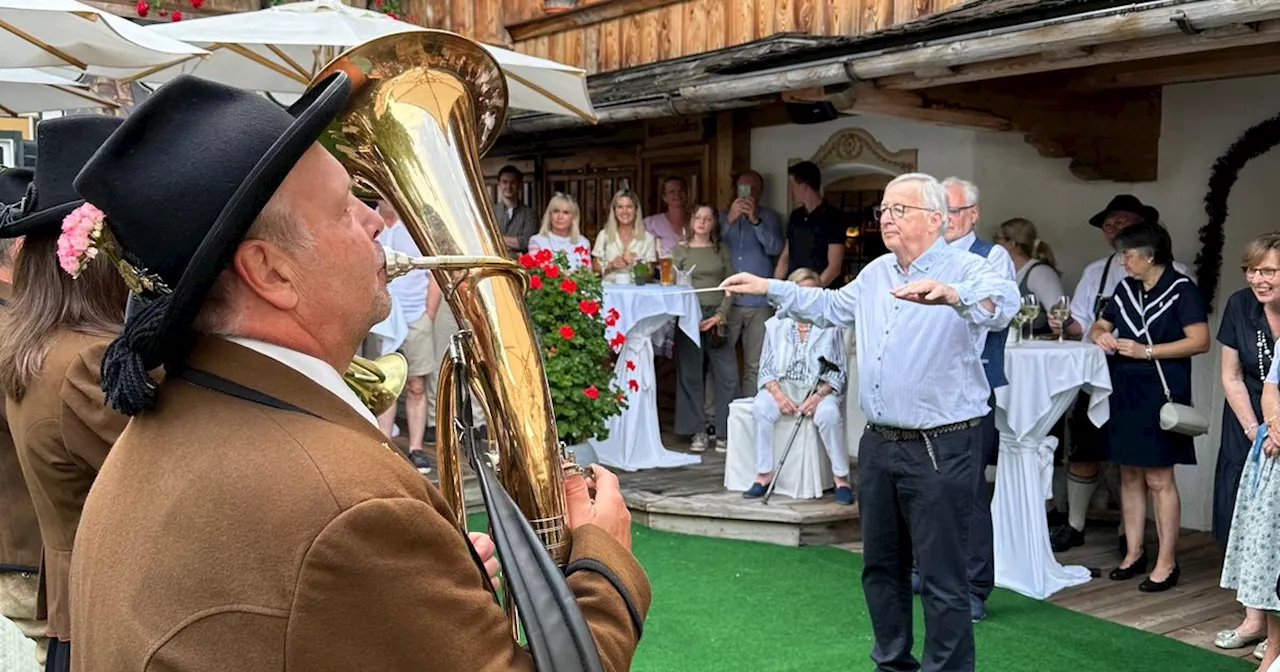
(623, 241)
(1037, 269)
(561, 231)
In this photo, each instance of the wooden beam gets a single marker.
(1222, 37)
(1182, 69)
(866, 99)
(585, 15)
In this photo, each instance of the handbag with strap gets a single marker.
(1174, 417)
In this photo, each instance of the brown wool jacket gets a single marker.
(223, 534)
(19, 529)
(62, 429)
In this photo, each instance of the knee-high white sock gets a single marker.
(1079, 493)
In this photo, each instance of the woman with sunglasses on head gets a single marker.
(561, 232)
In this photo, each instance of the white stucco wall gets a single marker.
(1199, 122)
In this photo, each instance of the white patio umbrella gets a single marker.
(25, 90)
(67, 33)
(278, 50)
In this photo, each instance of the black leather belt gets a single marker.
(898, 434)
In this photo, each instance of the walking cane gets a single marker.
(824, 367)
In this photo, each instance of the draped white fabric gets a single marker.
(17, 653)
(807, 472)
(855, 421)
(635, 439)
(1045, 378)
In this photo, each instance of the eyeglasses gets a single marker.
(1264, 273)
(896, 211)
(956, 211)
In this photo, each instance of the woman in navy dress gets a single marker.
(1158, 302)
(1250, 323)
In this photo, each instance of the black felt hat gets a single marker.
(1126, 203)
(65, 143)
(181, 183)
(13, 184)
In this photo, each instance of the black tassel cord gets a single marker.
(125, 381)
(1253, 143)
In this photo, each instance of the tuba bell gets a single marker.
(377, 382)
(424, 106)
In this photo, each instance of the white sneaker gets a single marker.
(699, 442)
(722, 446)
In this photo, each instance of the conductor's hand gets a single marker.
(605, 510)
(745, 283)
(486, 550)
(928, 291)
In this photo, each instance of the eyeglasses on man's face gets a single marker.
(960, 210)
(896, 211)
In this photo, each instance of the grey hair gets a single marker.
(932, 194)
(277, 224)
(970, 189)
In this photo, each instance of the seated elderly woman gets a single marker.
(789, 369)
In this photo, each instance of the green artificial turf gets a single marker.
(746, 607)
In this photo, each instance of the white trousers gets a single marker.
(827, 417)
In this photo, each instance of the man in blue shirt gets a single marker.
(754, 235)
(919, 314)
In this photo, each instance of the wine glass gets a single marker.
(1029, 311)
(1061, 311)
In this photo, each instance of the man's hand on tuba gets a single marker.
(607, 510)
(485, 548)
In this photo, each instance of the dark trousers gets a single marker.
(981, 563)
(909, 509)
(692, 360)
(59, 657)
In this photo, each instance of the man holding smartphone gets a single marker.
(754, 235)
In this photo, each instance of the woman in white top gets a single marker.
(561, 231)
(623, 241)
(1037, 270)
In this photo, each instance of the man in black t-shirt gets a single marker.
(815, 230)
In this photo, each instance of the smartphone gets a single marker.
(744, 191)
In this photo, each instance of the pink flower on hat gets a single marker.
(81, 238)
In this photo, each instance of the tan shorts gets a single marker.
(419, 348)
(18, 604)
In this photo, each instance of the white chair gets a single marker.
(807, 472)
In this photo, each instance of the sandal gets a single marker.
(1235, 639)
(1260, 651)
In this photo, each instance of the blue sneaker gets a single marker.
(757, 490)
(844, 494)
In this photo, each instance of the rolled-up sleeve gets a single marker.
(981, 282)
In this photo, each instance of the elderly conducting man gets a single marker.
(919, 314)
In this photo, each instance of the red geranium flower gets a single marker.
(527, 261)
(551, 270)
(581, 249)
(633, 384)
(631, 366)
(622, 397)
(543, 257)
(566, 332)
(568, 286)
(535, 282)
(617, 340)
(591, 392)
(610, 321)
(589, 306)
(613, 312)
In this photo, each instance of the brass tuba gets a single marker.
(424, 106)
(377, 382)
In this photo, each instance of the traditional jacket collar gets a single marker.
(259, 372)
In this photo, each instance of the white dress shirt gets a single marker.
(556, 243)
(315, 369)
(1082, 302)
(919, 366)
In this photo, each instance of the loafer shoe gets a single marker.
(844, 494)
(756, 490)
(977, 609)
(1235, 639)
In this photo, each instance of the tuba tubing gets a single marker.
(424, 106)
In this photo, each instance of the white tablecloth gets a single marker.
(635, 440)
(1045, 378)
